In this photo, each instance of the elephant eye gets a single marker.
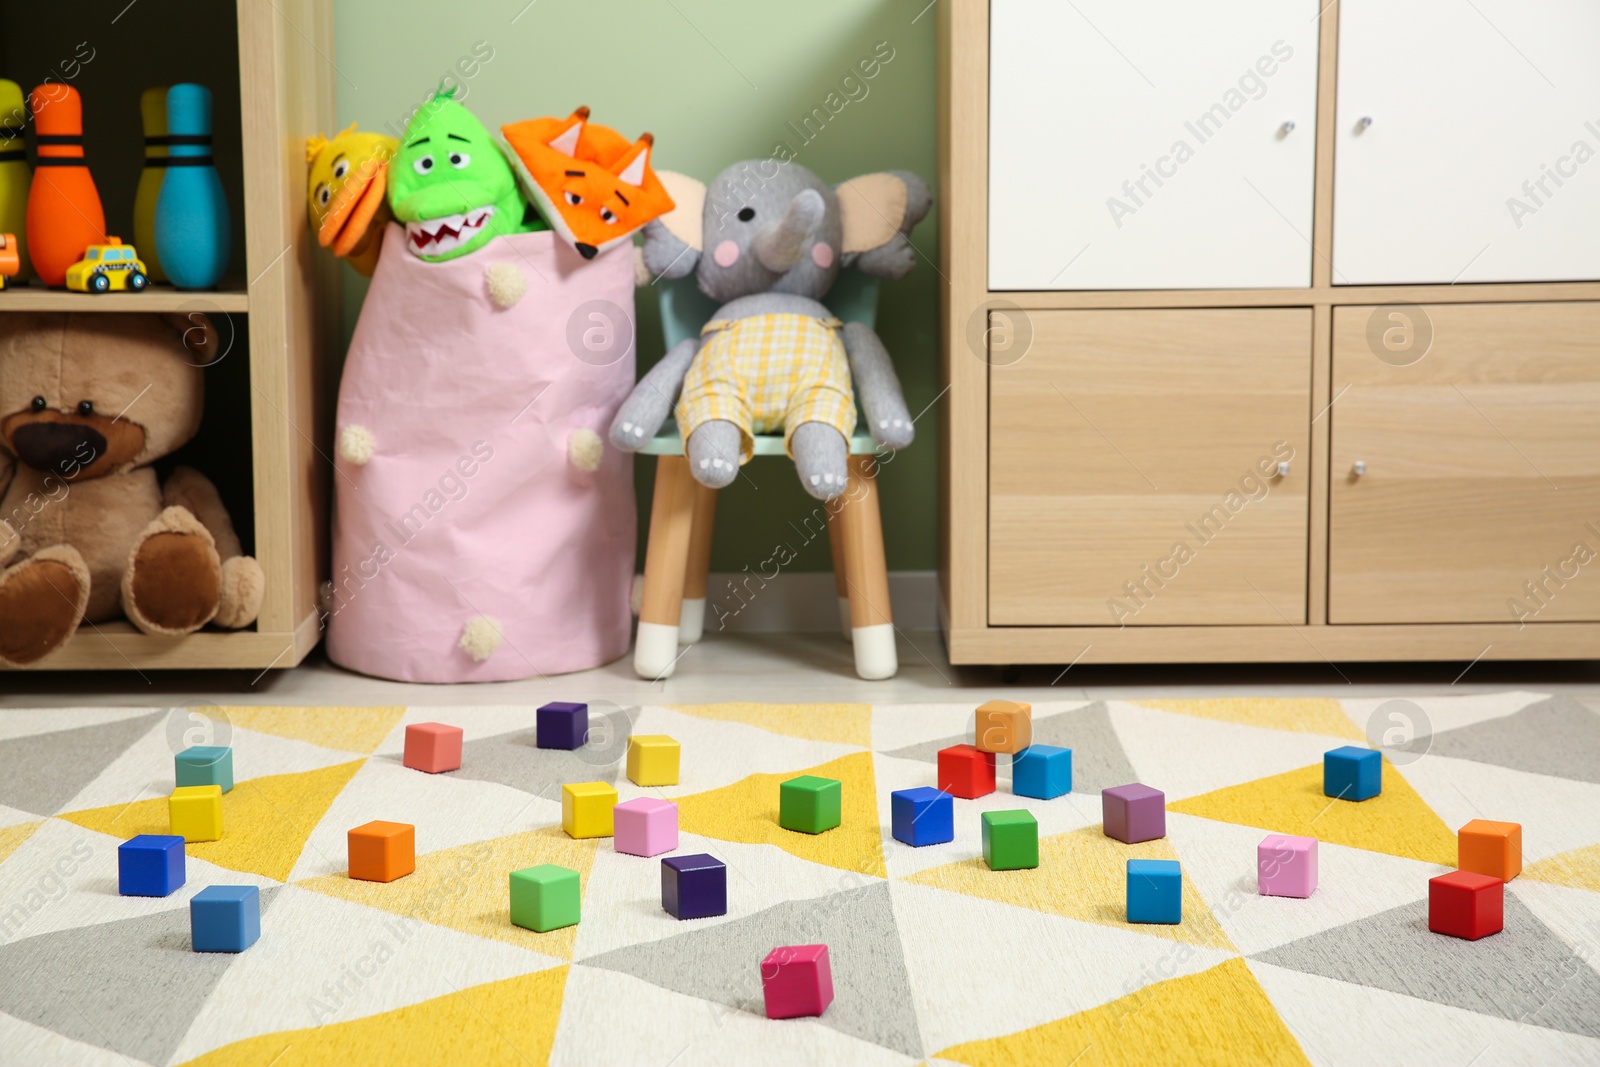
(573, 198)
(38, 403)
(423, 165)
(746, 214)
(86, 408)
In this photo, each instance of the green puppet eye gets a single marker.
(459, 160)
(423, 165)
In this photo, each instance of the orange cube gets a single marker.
(1004, 726)
(1492, 848)
(383, 851)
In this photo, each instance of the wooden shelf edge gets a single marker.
(1495, 293)
(119, 647)
(230, 296)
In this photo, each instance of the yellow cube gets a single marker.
(653, 760)
(586, 809)
(196, 812)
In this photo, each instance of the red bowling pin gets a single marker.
(64, 212)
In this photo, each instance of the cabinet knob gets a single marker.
(1287, 127)
(1283, 469)
(1366, 120)
(1358, 468)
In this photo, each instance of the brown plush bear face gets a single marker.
(83, 396)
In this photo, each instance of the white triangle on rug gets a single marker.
(1571, 914)
(1557, 814)
(30, 1045)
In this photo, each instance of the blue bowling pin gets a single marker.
(193, 231)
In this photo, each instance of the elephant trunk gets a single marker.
(780, 247)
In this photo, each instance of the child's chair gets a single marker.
(678, 555)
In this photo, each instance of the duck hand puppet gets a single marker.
(347, 194)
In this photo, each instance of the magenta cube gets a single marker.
(1134, 813)
(797, 981)
(433, 747)
(1286, 866)
(645, 826)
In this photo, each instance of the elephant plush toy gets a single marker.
(767, 240)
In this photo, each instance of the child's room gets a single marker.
(866, 532)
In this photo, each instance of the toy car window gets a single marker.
(93, 253)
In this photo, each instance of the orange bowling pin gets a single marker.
(64, 212)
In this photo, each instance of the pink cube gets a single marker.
(645, 826)
(433, 747)
(1286, 866)
(797, 981)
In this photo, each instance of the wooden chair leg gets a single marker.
(666, 559)
(867, 574)
(841, 584)
(692, 620)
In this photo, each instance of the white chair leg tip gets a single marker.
(876, 657)
(692, 621)
(655, 650)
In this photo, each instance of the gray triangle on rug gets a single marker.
(45, 771)
(1557, 736)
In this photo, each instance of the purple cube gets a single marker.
(645, 826)
(1286, 866)
(694, 887)
(562, 725)
(1134, 813)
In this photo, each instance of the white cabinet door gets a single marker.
(1479, 163)
(1147, 145)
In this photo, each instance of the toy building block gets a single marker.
(1492, 848)
(809, 804)
(205, 765)
(382, 851)
(1352, 773)
(150, 865)
(653, 760)
(1466, 904)
(1043, 772)
(646, 826)
(922, 816)
(1003, 726)
(797, 981)
(1134, 813)
(1286, 866)
(1155, 891)
(195, 812)
(694, 887)
(433, 747)
(966, 772)
(587, 807)
(545, 898)
(562, 725)
(225, 918)
(1010, 840)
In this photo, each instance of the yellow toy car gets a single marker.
(108, 267)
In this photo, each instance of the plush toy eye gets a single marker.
(607, 217)
(746, 214)
(39, 403)
(323, 195)
(573, 198)
(459, 160)
(86, 408)
(423, 165)
(341, 167)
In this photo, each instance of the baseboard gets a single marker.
(794, 602)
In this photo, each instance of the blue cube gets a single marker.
(1043, 772)
(1351, 773)
(923, 816)
(694, 887)
(150, 865)
(562, 725)
(1155, 891)
(225, 918)
(205, 765)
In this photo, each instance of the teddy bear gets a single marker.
(87, 531)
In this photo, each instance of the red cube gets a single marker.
(797, 981)
(1467, 905)
(966, 772)
(433, 747)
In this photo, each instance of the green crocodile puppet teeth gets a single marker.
(451, 186)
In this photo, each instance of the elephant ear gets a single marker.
(673, 242)
(877, 211)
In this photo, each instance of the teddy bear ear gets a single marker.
(196, 334)
(686, 220)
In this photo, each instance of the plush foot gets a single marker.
(714, 454)
(243, 585)
(821, 456)
(41, 601)
(173, 584)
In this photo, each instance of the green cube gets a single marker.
(1010, 840)
(809, 804)
(545, 897)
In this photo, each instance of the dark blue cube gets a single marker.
(1043, 772)
(1155, 891)
(1351, 773)
(694, 887)
(225, 918)
(150, 865)
(563, 725)
(923, 816)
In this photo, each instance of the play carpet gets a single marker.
(936, 959)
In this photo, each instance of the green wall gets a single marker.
(716, 81)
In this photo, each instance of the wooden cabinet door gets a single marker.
(1133, 468)
(1480, 488)
(1467, 143)
(1144, 146)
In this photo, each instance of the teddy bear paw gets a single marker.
(356, 445)
(481, 637)
(506, 284)
(585, 450)
(243, 585)
(41, 601)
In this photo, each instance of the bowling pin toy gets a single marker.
(64, 212)
(153, 110)
(194, 235)
(14, 175)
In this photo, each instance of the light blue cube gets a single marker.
(1351, 773)
(1043, 772)
(1155, 891)
(225, 918)
(205, 765)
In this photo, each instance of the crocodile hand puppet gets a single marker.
(451, 186)
(346, 194)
